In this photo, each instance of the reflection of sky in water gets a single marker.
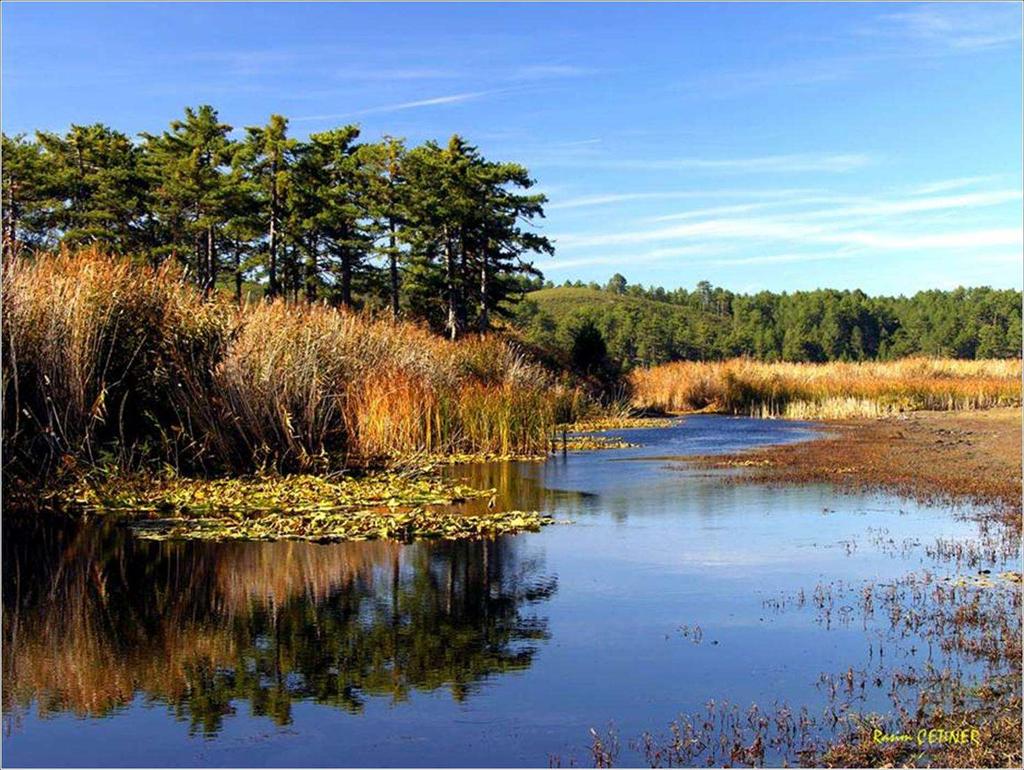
(652, 547)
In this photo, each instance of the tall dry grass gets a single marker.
(93, 350)
(109, 361)
(299, 384)
(833, 390)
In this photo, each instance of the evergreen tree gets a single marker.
(267, 157)
(26, 196)
(191, 194)
(97, 189)
(330, 211)
(386, 206)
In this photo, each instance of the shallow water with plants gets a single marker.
(673, 591)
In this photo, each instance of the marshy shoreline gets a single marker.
(969, 460)
(934, 456)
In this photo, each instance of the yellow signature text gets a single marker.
(931, 736)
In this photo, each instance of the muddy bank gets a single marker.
(959, 456)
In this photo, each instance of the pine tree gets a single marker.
(191, 191)
(267, 154)
(331, 211)
(501, 241)
(97, 189)
(465, 217)
(26, 215)
(386, 205)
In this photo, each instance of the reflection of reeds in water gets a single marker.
(71, 644)
(514, 488)
(92, 619)
(277, 572)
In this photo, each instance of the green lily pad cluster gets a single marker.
(400, 506)
(337, 525)
(581, 443)
(295, 494)
(617, 423)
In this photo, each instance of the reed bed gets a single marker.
(111, 362)
(832, 391)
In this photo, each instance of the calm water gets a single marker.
(125, 652)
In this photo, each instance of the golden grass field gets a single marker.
(831, 390)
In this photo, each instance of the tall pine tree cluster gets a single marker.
(436, 232)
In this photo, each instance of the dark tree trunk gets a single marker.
(200, 261)
(272, 235)
(346, 278)
(450, 296)
(485, 281)
(311, 270)
(238, 274)
(464, 279)
(10, 222)
(393, 264)
(211, 261)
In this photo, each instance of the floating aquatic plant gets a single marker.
(578, 443)
(390, 505)
(349, 525)
(294, 494)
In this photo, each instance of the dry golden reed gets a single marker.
(110, 361)
(833, 390)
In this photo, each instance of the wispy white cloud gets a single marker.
(742, 208)
(853, 222)
(888, 241)
(955, 27)
(398, 73)
(778, 164)
(588, 201)
(804, 73)
(894, 207)
(796, 231)
(548, 71)
(915, 33)
(957, 183)
(411, 105)
(787, 258)
(845, 207)
(652, 255)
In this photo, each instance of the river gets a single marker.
(661, 588)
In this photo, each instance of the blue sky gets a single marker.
(763, 146)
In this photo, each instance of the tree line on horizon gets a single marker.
(435, 231)
(645, 326)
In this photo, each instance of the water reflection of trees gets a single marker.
(520, 486)
(92, 617)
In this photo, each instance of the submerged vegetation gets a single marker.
(834, 390)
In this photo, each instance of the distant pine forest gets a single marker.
(633, 326)
(435, 234)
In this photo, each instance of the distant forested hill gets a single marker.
(645, 326)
